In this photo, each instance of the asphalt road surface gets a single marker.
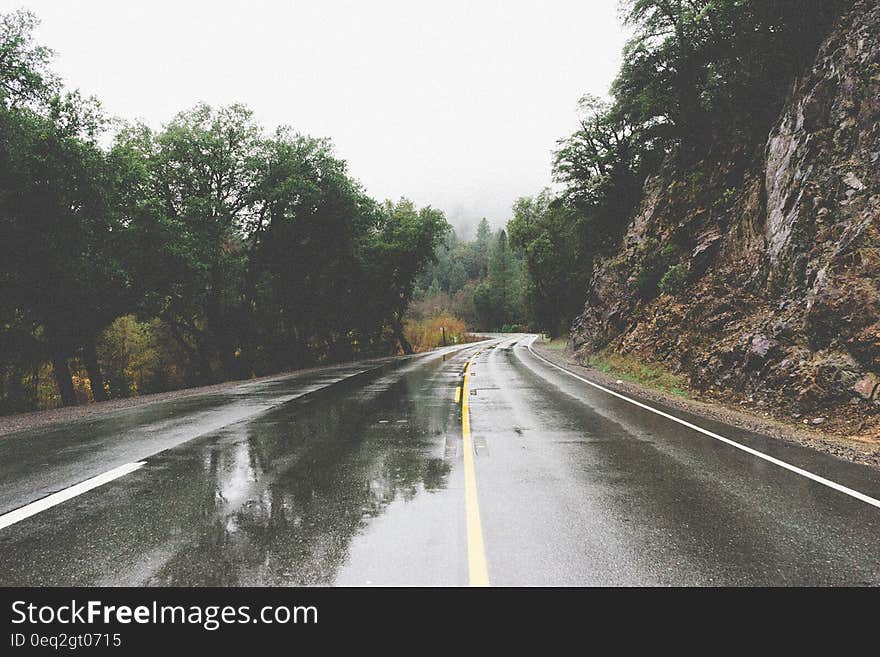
(481, 464)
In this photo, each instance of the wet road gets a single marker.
(363, 474)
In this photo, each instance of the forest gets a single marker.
(134, 260)
(478, 285)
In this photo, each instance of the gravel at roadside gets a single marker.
(864, 451)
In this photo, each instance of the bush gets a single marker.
(427, 333)
(674, 280)
(138, 358)
(655, 261)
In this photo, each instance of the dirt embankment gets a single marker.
(776, 256)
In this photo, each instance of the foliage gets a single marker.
(25, 77)
(456, 262)
(137, 357)
(430, 332)
(674, 280)
(204, 251)
(483, 282)
(653, 264)
(499, 299)
(211, 249)
(698, 71)
(555, 344)
(697, 76)
(548, 233)
(631, 368)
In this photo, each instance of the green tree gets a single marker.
(498, 300)
(548, 235)
(25, 78)
(482, 246)
(696, 71)
(60, 236)
(402, 246)
(315, 222)
(195, 205)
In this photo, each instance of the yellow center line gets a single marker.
(457, 394)
(478, 572)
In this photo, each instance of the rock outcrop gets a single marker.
(768, 262)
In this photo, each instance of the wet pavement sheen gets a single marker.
(353, 476)
(348, 485)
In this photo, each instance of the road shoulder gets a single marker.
(865, 452)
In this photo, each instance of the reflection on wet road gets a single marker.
(37, 462)
(288, 497)
(354, 476)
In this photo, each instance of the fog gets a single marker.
(456, 104)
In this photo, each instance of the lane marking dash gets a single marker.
(54, 499)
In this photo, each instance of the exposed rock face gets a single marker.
(782, 250)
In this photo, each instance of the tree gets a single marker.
(601, 170)
(195, 204)
(697, 71)
(59, 234)
(402, 245)
(25, 79)
(497, 300)
(482, 245)
(313, 221)
(559, 249)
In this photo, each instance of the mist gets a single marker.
(455, 104)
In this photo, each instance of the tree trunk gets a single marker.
(96, 379)
(401, 338)
(218, 330)
(204, 373)
(63, 378)
(302, 356)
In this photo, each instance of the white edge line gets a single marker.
(782, 464)
(54, 499)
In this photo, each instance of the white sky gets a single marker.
(453, 103)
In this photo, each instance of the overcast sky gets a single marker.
(456, 104)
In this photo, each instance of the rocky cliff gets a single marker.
(757, 273)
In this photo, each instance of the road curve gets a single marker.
(357, 475)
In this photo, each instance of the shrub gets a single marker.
(427, 333)
(674, 280)
(654, 264)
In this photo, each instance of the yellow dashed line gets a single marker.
(478, 572)
(457, 394)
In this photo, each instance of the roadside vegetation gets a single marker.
(628, 368)
(636, 370)
(482, 282)
(699, 79)
(135, 260)
(555, 344)
(436, 331)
